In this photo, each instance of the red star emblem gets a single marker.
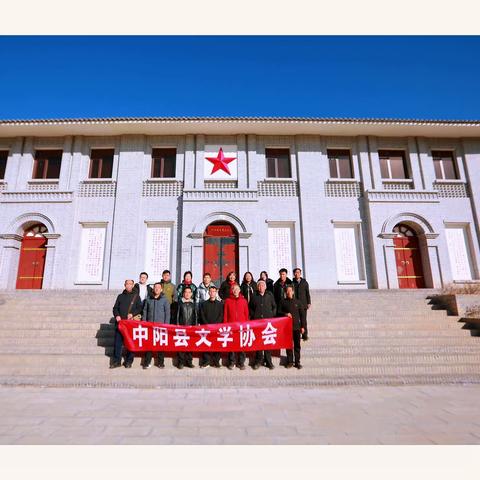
(220, 162)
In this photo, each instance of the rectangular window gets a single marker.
(281, 247)
(47, 164)
(101, 163)
(163, 162)
(157, 249)
(278, 162)
(340, 163)
(348, 253)
(91, 253)
(459, 252)
(393, 164)
(3, 163)
(444, 164)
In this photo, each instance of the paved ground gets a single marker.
(340, 415)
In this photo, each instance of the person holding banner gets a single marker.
(235, 309)
(291, 306)
(262, 305)
(186, 315)
(211, 311)
(127, 306)
(156, 309)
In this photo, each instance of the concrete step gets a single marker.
(103, 346)
(288, 378)
(278, 375)
(36, 358)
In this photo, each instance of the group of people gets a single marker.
(187, 304)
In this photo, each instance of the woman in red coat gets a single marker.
(235, 310)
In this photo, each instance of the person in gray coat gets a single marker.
(156, 309)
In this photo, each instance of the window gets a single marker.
(340, 163)
(392, 164)
(348, 253)
(101, 163)
(163, 162)
(47, 164)
(3, 163)
(278, 162)
(444, 164)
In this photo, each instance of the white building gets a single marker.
(355, 203)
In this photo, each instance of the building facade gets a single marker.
(354, 203)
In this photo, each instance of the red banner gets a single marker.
(266, 334)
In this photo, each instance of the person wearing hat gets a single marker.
(211, 311)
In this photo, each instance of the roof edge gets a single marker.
(326, 120)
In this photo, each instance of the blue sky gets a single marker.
(400, 77)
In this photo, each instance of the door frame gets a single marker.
(234, 234)
(415, 272)
(31, 243)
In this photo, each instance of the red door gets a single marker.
(32, 262)
(220, 251)
(408, 258)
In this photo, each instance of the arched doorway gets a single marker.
(220, 250)
(408, 257)
(33, 251)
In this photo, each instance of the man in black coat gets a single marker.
(291, 307)
(127, 305)
(142, 288)
(302, 292)
(280, 286)
(211, 311)
(262, 305)
(187, 316)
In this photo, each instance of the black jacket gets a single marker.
(187, 313)
(292, 306)
(248, 290)
(126, 301)
(136, 289)
(269, 283)
(262, 306)
(279, 290)
(211, 312)
(224, 290)
(302, 291)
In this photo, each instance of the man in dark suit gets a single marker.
(290, 307)
(262, 305)
(302, 292)
(211, 311)
(127, 305)
(280, 286)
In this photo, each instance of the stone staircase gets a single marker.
(63, 338)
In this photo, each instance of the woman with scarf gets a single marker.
(187, 282)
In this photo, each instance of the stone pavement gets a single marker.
(441, 414)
